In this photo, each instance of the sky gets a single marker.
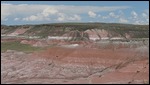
(42, 12)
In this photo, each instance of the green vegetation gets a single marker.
(15, 45)
(58, 29)
(9, 29)
(44, 31)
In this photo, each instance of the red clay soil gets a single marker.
(87, 56)
(127, 67)
(76, 65)
(84, 55)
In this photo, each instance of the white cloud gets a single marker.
(64, 17)
(92, 14)
(75, 17)
(91, 21)
(5, 12)
(49, 11)
(122, 20)
(144, 15)
(61, 17)
(147, 20)
(31, 18)
(137, 22)
(112, 14)
(44, 15)
(16, 19)
(134, 14)
(105, 17)
(21, 10)
(140, 19)
(37, 17)
(85, 9)
(60, 13)
(140, 22)
(99, 15)
(39, 12)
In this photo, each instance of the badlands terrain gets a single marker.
(75, 53)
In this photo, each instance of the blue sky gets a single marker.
(39, 12)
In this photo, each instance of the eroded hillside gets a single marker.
(100, 30)
(68, 53)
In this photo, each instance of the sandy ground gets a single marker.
(77, 63)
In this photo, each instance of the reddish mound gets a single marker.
(75, 65)
(87, 56)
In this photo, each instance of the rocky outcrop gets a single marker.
(81, 31)
(78, 36)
